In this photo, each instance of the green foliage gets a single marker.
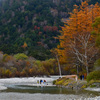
(7, 73)
(49, 65)
(93, 86)
(65, 82)
(94, 1)
(60, 81)
(17, 24)
(54, 82)
(93, 33)
(18, 19)
(95, 75)
(21, 56)
(97, 64)
(98, 41)
(96, 26)
(97, 22)
(21, 65)
(4, 57)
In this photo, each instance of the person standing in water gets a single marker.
(37, 81)
(44, 82)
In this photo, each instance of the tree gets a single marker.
(57, 58)
(1, 56)
(49, 65)
(96, 32)
(84, 49)
(76, 40)
(21, 56)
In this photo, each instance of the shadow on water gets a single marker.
(49, 90)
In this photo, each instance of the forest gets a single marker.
(20, 65)
(33, 22)
(36, 34)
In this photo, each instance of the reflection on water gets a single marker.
(24, 89)
(49, 90)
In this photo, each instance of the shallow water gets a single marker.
(49, 90)
(37, 96)
(24, 90)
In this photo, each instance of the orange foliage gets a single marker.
(24, 45)
(80, 22)
(27, 63)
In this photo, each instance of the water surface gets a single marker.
(23, 89)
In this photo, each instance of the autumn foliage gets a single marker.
(20, 65)
(76, 39)
(24, 45)
(50, 28)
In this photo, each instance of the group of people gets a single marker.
(41, 81)
(82, 77)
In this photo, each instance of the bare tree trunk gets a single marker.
(58, 65)
(77, 70)
(86, 65)
(87, 70)
(85, 51)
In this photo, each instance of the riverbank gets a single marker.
(77, 85)
(23, 89)
(70, 83)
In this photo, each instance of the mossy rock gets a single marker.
(64, 81)
(92, 83)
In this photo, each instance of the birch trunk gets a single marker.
(58, 65)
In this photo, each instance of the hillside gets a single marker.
(30, 26)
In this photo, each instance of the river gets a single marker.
(26, 89)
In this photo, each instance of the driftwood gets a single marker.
(71, 76)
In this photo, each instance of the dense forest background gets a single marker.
(30, 26)
(38, 35)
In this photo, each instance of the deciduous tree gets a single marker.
(76, 40)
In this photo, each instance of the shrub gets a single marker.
(54, 81)
(97, 64)
(59, 82)
(21, 56)
(7, 73)
(95, 75)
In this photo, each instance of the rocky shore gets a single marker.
(79, 84)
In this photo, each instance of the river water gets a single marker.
(24, 89)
